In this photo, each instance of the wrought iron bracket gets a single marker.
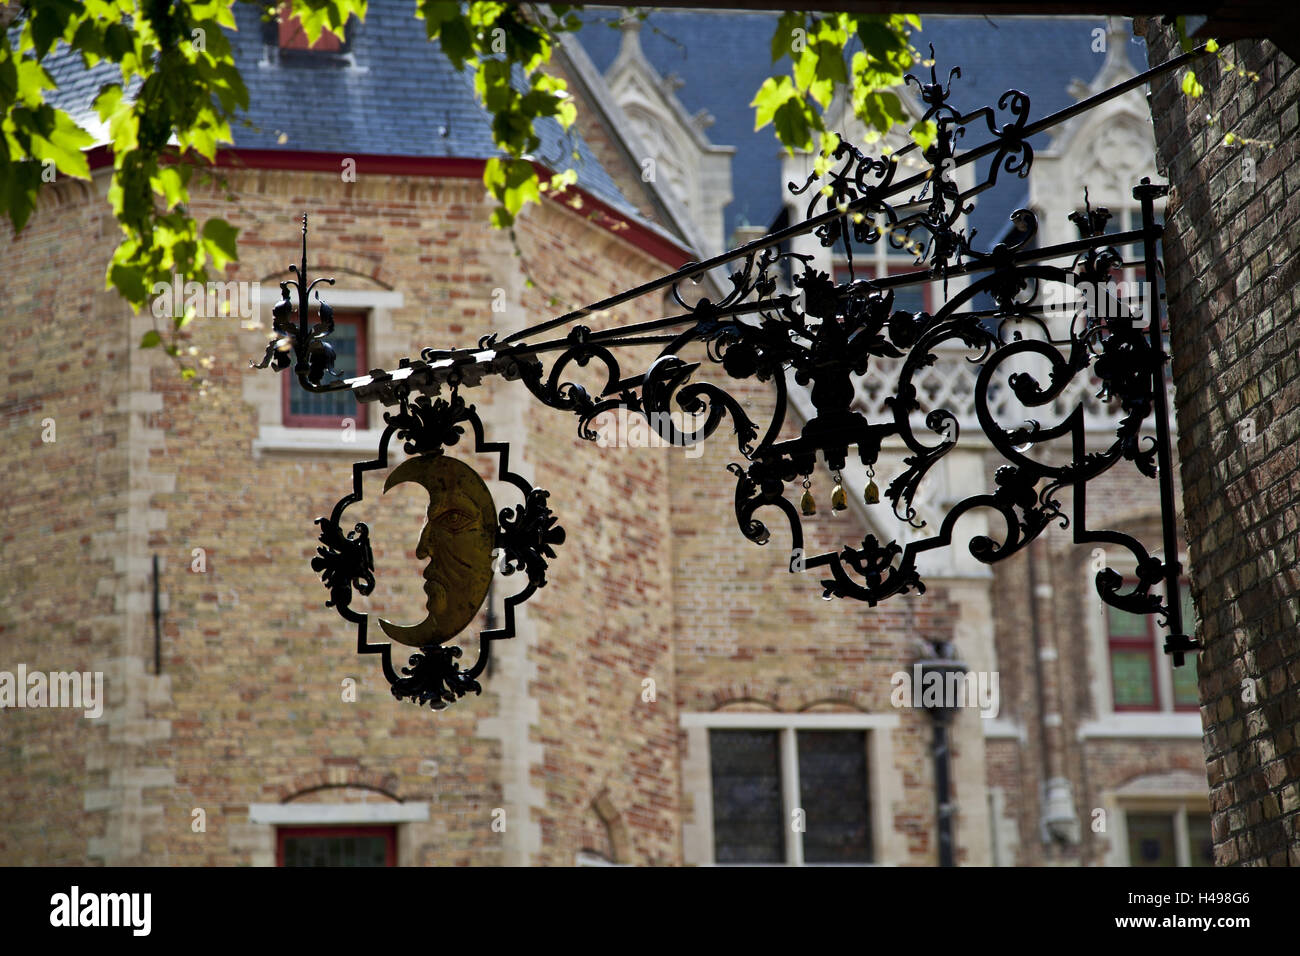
(783, 321)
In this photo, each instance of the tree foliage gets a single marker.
(174, 90)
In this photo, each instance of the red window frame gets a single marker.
(293, 37)
(1147, 644)
(387, 832)
(288, 382)
(866, 269)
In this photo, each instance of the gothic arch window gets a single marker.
(664, 149)
(1109, 156)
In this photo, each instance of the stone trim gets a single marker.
(1174, 724)
(306, 814)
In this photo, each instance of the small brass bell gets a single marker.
(806, 503)
(872, 494)
(838, 502)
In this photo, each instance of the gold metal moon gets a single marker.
(457, 539)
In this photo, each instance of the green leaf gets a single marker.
(456, 42)
(783, 35)
(219, 241)
(20, 184)
(435, 13)
(769, 98)
(128, 280)
(878, 41)
(49, 20)
(516, 183)
(924, 134)
(794, 124)
(170, 184)
(151, 340)
(830, 62)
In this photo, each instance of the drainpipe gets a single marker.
(941, 715)
(1059, 821)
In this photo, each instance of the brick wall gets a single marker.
(61, 599)
(250, 706)
(1231, 260)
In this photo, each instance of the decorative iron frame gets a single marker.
(823, 334)
(525, 537)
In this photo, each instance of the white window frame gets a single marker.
(1108, 722)
(1177, 807)
(882, 782)
(262, 387)
(337, 814)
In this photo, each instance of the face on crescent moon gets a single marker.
(457, 540)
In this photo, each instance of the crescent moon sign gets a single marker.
(457, 539)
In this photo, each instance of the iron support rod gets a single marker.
(157, 620)
(779, 236)
(610, 337)
(807, 225)
(1176, 642)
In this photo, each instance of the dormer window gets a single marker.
(288, 34)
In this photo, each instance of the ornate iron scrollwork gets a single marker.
(314, 355)
(783, 321)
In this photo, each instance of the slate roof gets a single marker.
(395, 94)
(723, 57)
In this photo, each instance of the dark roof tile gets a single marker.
(393, 94)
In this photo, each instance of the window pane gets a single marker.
(1199, 839)
(336, 851)
(1188, 606)
(909, 298)
(1131, 677)
(332, 404)
(747, 814)
(833, 793)
(1186, 691)
(1151, 839)
(1124, 624)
